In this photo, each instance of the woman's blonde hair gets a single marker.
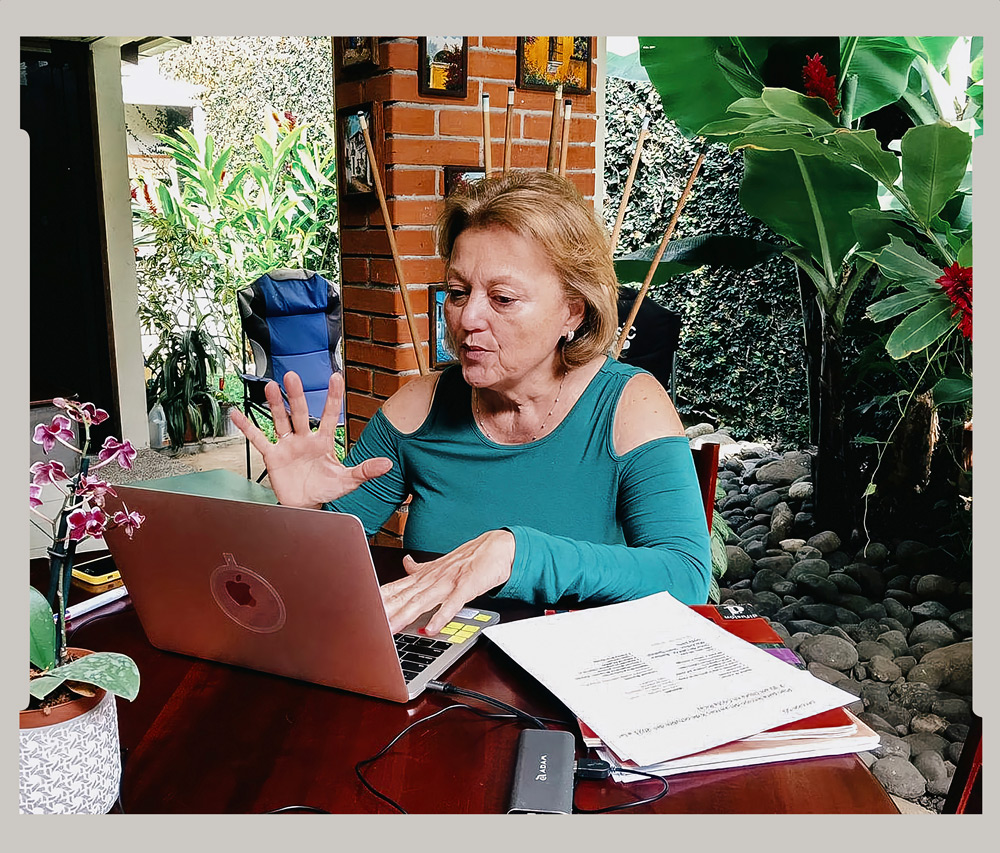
(548, 209)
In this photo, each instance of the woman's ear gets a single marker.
(577, 311)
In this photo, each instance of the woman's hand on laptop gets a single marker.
(302, 465)
(450, 581)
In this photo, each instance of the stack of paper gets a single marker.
(656, 681)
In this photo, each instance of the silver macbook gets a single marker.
(276, 589)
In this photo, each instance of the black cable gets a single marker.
(291, 809)
(622, 806)
(366, 761)
(448, 688)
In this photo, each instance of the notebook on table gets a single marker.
(277, 589)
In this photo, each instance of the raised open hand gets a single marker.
(302, 465)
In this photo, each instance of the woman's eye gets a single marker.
(456, 295)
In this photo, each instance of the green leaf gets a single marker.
(862, 148)
(266, 151)
(746, 84)
(869, 490)
(900, 261)
(935, 157)
(811, 111)
(874, 228)
(952, 390)
(781, 142)
(693, 89)
(774, 191)
(898, 304)
(965, 254)
(690, 253)
(920, 329)
(749, 107)
(41, 631)
(882, 65)
(935, 49)
(112, 671)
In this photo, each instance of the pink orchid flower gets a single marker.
(123, 451)
(95, 490)
(34, 496)
(83, 523)
(129, 521)
(59, 430)
(84, 413)
(52, 471)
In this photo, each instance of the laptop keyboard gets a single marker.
(417, 653)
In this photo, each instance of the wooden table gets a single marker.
(210, 738)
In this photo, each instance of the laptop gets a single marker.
(276, 589)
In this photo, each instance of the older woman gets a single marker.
(541, 468)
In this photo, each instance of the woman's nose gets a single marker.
(472, 313)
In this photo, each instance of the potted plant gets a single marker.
(69, 752)
(182, 365)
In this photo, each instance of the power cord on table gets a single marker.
(584, 768)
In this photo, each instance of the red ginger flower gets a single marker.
(818, 83)
(957, 283)
(149, 200)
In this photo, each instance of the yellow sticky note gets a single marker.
(448, 629)
(459, 638)
(481, 617)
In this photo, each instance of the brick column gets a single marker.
(422, 136)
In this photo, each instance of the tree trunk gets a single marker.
(812, 333)
(834, 503)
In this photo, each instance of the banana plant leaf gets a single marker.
(952, 390)
(690, 253)
(41, 631)
(922, 328)
(902, 262)
(114, 672)
(935, 157)
(875, 228)
(899, 303)
(882, 66)
(774, 189)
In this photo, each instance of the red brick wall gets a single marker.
(422, 135)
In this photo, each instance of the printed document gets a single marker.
(656, 680)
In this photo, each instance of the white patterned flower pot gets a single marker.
(72, 766)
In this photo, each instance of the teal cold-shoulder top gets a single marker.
(589, 525)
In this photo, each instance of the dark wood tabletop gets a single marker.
(203, 737)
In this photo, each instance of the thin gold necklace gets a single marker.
(541, 429)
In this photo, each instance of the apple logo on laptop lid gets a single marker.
(246, 597)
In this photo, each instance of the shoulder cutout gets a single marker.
(644, 413)
(408, 408)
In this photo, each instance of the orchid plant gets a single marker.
(81, 515)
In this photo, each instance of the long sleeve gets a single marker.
(666, 536)
(375, 500)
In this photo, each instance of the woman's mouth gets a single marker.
(473, 353)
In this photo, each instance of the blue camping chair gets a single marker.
(291, 320)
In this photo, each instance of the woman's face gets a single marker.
(505, 309)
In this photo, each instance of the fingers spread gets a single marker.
(333, 405)
(249, 429)
(277, 405)
(297, 402)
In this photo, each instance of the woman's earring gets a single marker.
(569, 335)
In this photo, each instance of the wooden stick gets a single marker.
(550, 162)
(628, 184)
(508, 130)
(403, 292)
(659, 252)
(487, 148)
(564, 147)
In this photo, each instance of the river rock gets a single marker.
(933, 631)
(905, 663)
(825, 613)
(889, 744)
(867, 649)
(782, 521)
(954, 711)
(874, 553)
(898, 612)
(934, 587)
(819, 587)
(767, 501)
(826, 541)
(800, 491)
(698, 430)
(961, 621)
(765, 579)
(925, 742)
(899, 777)
(915, 695)
(882, 668)
(928, 723)
(833, 652)
(779, 565)
(956, 660)
(808, 567)
(930, 610)
(783, 471)
(739, 566)
(931, 765)
(893, 640)
(807, 626)
(933, 675)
